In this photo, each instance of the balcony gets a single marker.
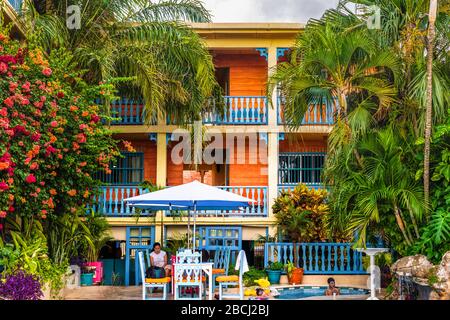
(318, 114)
(238, 110)
(16, 4)
(110, 202)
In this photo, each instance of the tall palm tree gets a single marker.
(147, 42)
(429, 106)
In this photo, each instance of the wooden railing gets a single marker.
(317, 258)
(319, 113)
(110, 202)
(239, 110)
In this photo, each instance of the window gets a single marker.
(305, 167)
(212, 238)
(126, 170)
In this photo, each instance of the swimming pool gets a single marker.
(291, 293)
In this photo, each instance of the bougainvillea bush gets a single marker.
(20, 286)
(52, 140)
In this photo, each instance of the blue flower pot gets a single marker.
(86, 279)
(273, 276)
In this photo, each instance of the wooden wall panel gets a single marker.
(149, 149)
(248, 73)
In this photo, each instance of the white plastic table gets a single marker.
(207, 267)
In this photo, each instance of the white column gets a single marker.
(272, 138)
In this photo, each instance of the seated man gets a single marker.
(331, 288)
(158, 259)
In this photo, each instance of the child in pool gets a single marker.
(261, 294)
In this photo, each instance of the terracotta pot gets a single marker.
(296, 276)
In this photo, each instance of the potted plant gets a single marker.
(87, 275)
(274, 271)
(295, 275)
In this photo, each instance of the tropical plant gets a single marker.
(52, 142)
(99, 235)
(300, 213)
(147, 41)
(20, 286)
(67, 236)
(275, 266)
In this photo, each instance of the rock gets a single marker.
(417, 266)
(443, 277)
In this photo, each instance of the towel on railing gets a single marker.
(242, 258)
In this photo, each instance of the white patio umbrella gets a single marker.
(190, 196)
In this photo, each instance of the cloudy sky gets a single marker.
(267, 10)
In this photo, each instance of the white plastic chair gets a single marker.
(162, 283)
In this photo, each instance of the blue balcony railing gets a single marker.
(290, 187)
(110, 202)
(318, 114)
(16, 4)
(239, 110)
(317, 258)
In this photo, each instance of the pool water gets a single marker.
(306, 291)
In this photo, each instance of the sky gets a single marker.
(267, 10)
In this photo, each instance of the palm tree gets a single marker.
(147, 43)
(384, 186)
(329, 62)
(429, 106)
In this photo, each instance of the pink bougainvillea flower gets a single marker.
(60, 94)
(13, 86)
(30, 178)
(9, 102)
(34, 166)
(44, 212)
(35, 137)
(3, 186)
(81, 138)
(83, 126)
(3, 67)
(3, 112)
(20, 143)
(42, 183)
(38, 104)
(10, 132)
(47, 72)
(54, 123)
(24, 102)
(2, 214)
(11, 209)
(26, 87)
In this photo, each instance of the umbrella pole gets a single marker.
(195, 213)
(189, 229)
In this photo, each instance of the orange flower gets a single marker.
(86, 194)
(73, 108)
(4, 165)
(53, 139)
(53, 192)
(72, 192)
(11, 197)
(53, 173)
(85, 113)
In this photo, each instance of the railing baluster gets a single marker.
(322, 250)
(317, 258)
(305, 265)
(335, 268)
(348, 258)
(342, 258)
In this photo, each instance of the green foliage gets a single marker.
(252, 275)
(99, 235)
(275, 266)
(28, 252)
(146, 41)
